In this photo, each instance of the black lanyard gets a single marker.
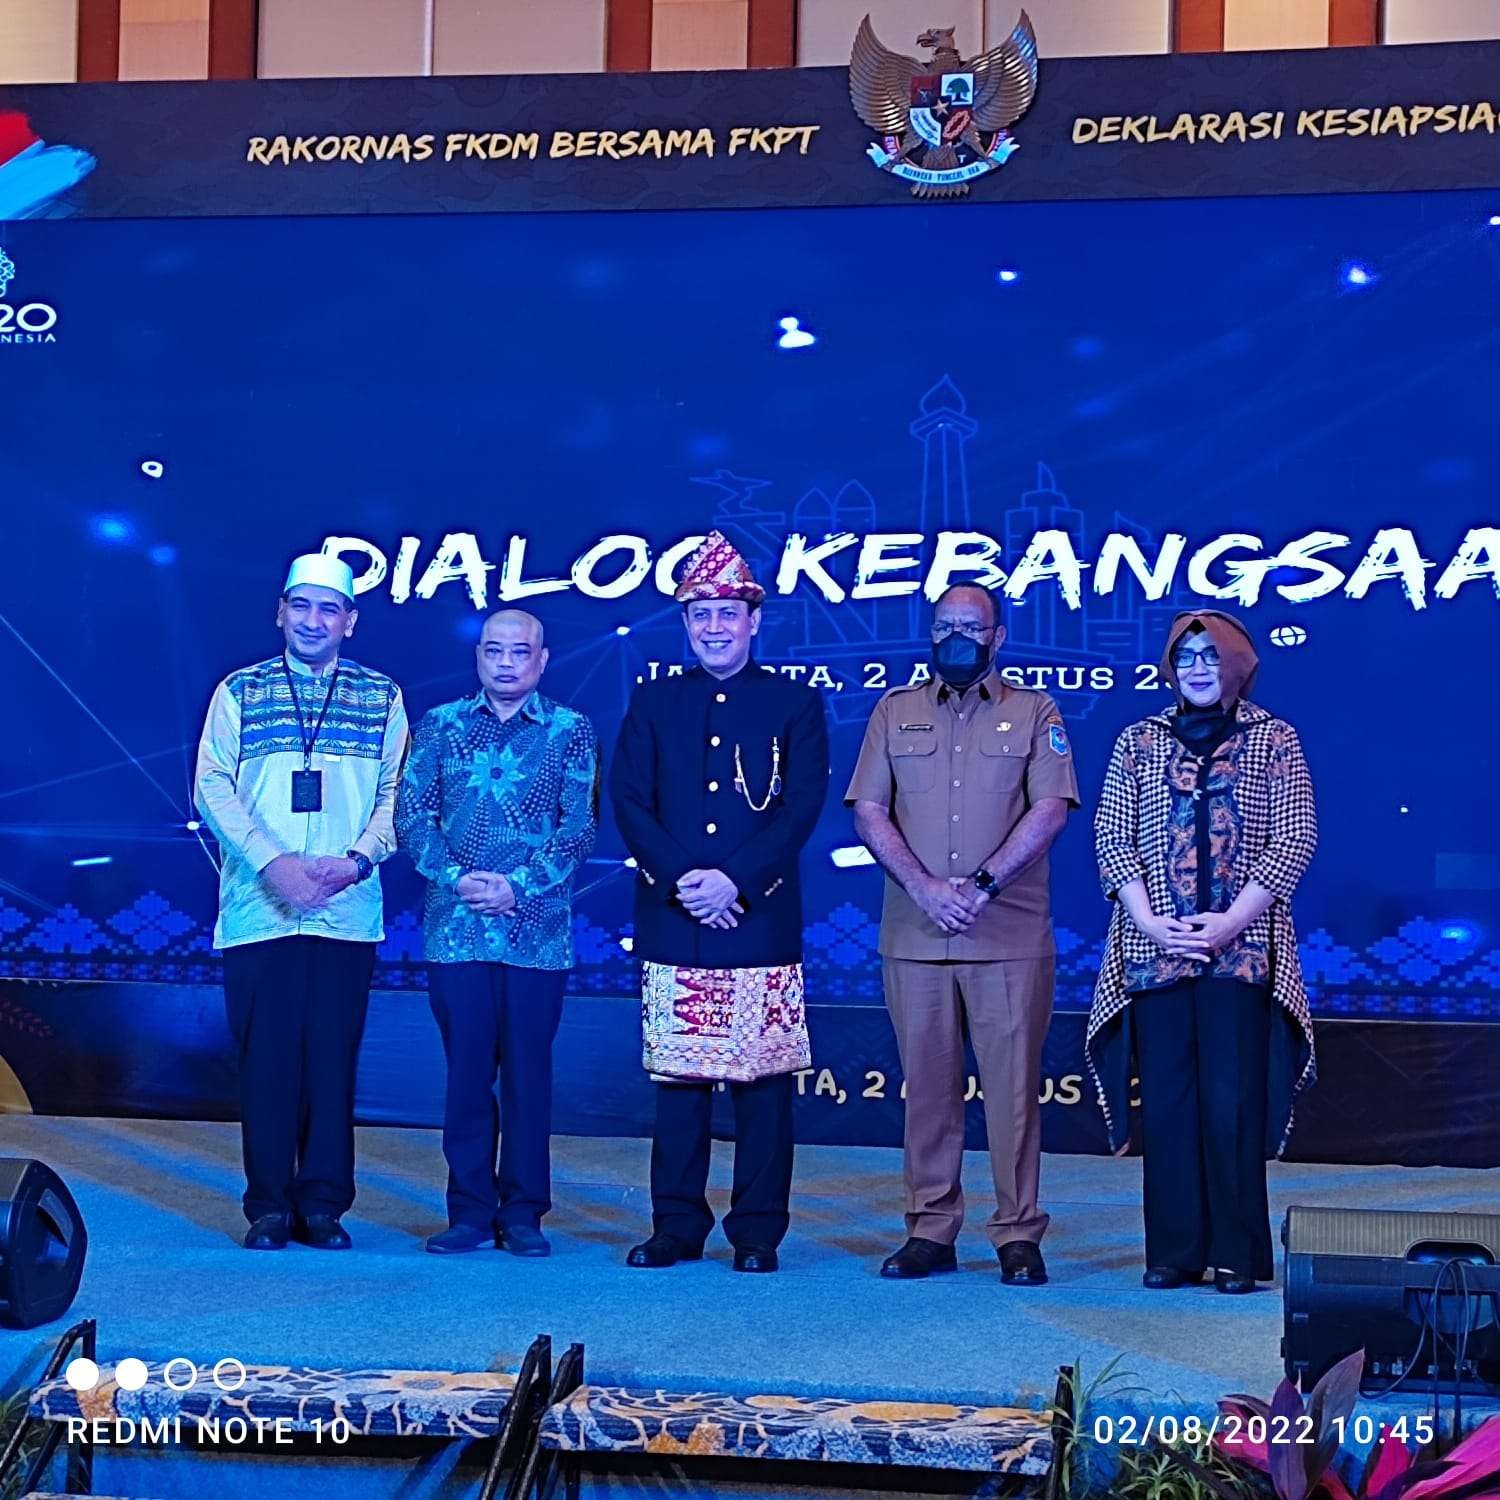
(307, 744)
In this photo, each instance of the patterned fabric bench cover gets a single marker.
(987, 1439)
(375, 1403)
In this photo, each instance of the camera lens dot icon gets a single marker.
(82, 1374)
(1288, 635)
(130, 1374)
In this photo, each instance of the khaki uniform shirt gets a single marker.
(957, 773)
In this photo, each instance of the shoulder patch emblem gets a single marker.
(1057, 738)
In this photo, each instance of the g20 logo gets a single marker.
(31, 323)
(27, 322)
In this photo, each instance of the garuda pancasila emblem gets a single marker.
(942, 121)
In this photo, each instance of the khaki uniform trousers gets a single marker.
(1005, 1006)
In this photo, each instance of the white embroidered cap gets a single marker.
(322, 569)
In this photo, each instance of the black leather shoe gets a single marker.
(662, 1250)
(523, 1239)
(459, 1239)
(1232, 1283)
(322, 1232)
(1169, 1278)
(918, 1258)
(756, 1260)
(1021, 1264)
(269, 1232)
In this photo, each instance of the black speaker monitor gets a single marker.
(1418, 1292)
(42, 1244)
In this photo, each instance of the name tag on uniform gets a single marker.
(914, 728)
(307, 791)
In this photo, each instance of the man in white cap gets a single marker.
(297, 774)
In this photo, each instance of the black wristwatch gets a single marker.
(362, 864)
(985, 881)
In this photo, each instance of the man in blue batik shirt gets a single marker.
(498, 808)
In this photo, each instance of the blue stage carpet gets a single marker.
(165, 1275)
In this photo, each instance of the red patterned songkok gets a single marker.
(717, 571)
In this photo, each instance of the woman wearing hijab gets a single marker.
(1205, 825)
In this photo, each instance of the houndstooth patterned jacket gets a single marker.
(1279, 832)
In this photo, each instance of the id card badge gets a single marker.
(307, 791)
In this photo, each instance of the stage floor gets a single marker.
(165, 1275)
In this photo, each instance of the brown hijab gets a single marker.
(1238, 662)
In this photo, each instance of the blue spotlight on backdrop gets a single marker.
(163, 555)
(1356, 275)
(1006, 275)
(115, 529)
(93, 859)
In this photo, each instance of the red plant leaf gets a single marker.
(1245, 1451)
(1288, 1474)
(1388, 1462)
(1329, 1406)
(1334, 1488)
(1474, 1459)
(1428, 1468)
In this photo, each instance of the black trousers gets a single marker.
(1202, 1050)
(497, 1016)
(297, 1012)
(758, 1215)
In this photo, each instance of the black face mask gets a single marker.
(959, 661)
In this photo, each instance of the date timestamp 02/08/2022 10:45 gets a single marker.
(1250, 1429)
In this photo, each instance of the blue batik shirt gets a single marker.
(517, 797)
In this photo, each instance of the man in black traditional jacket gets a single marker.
(717, 782)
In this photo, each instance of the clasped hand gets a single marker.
(712, 897)
(952, 904)
(305, 882)
(486, 893)
(1199, 936)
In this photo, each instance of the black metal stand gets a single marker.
(81, 1472)
(538, 1475)
(1063, 1417)
(526, 1400)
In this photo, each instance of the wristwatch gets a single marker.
(362, 864)
(985, 881)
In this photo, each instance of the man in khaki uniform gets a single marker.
(962, 784)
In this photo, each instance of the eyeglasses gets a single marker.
(1185, 660)
(942, 629)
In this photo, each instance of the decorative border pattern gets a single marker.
(1424, 969)
(985, 1439)
(375, 1403)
